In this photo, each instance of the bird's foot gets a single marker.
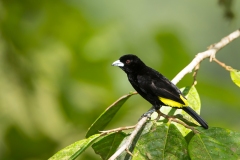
(148, 113)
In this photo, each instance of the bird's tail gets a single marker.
(194, 115)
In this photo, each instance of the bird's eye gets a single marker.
(128, 61)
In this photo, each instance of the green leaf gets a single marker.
(72, 151)
(203, 147)
(235, 75)
(103, 120)
(225, 136)
(193, 98)
(161, 142)
(109, 144)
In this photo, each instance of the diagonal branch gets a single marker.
(210, 53)
(128, 142)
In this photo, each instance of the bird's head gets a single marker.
(129, 63)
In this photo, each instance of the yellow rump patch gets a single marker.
(173, 103)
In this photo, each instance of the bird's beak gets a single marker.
(118, 63)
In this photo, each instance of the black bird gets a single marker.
(154, 87)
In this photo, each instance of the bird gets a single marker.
(154, 87)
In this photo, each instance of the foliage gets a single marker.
(56, 75)
(235, 75)
(161, 140)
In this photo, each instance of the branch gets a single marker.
(212, 50)
(128, 142)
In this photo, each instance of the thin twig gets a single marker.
(116, 130)
(184, 124)
(228, 68)
(174, 119)
(195, 74)
(127, 150)
(211, 52)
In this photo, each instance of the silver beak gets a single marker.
(118, 63)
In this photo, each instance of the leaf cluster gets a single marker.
(158, 140)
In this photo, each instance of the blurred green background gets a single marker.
(55, 65)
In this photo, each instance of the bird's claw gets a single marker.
(148, 113)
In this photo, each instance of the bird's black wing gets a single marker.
(152, 82)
